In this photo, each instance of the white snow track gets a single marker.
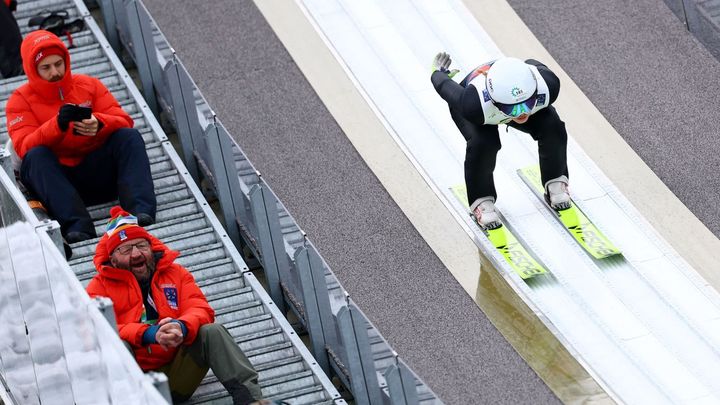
(644, 325)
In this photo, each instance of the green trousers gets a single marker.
(214, 348)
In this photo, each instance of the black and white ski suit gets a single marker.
(477, 118)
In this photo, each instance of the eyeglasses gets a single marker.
(516, 110)
(143, 246)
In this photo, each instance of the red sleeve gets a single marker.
(131, 332)
(96, 288)
(194, 308)
(24, 129)
(108, 111)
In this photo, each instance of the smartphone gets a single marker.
(80, 113)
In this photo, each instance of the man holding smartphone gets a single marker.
(76, 143)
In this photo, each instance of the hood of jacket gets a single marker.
(34, 43)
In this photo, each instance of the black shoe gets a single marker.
(75, 237)
(240, 393)
(145, 219)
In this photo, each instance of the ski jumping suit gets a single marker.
(477, 118)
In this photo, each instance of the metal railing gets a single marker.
(702, 18)
(343, 340)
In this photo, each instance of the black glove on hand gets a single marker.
(65, 116)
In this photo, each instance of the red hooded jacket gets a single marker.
(174, 293)
(32, 109)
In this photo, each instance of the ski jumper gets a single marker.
(477, 118)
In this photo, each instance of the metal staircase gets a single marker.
(186, 223)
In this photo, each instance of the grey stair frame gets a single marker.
(297, 276)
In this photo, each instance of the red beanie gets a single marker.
(53, 50)
(122, 226)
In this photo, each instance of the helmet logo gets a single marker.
(490, 84)
(516, 92)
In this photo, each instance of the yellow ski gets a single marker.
(573, 219)
(514, 252)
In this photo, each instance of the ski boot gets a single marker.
(483, 209)
(557, 194)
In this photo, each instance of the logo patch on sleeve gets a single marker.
(17, 119)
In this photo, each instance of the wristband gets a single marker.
(148, 336)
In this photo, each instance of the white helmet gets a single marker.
(510, 81)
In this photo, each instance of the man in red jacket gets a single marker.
(76, 143)
(162, 314)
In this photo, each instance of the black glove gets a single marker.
(65, 115)
(13, 5)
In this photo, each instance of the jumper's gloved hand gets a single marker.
(442, 63)
(65, 116)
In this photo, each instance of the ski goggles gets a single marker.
(516, 110)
